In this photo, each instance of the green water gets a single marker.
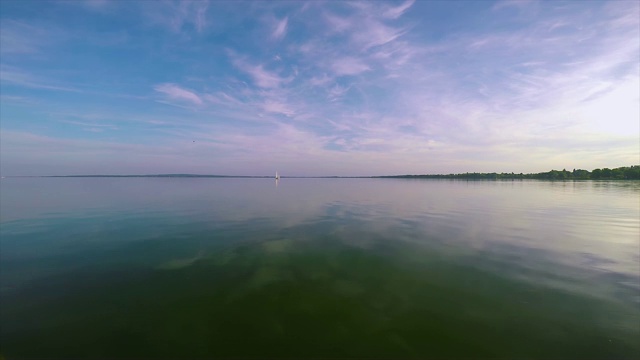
(328, 268)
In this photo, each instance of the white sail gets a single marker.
(277, 176)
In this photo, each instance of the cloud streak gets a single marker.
(280, 30)
(260, 76)
(349, 66)
(177, 16)
(16, 77)
(175, 92)
(397, 11)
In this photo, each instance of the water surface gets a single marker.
(319, 268)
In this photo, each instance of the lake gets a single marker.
(247, 267)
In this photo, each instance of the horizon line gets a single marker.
(300, 176)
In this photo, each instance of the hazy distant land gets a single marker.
(620, 173)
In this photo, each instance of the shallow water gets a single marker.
(319, 268)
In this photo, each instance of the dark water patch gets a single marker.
(293, 298)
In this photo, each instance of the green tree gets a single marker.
(632, 173)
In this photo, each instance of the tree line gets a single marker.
(620, 173)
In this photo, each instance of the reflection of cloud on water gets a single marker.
(314, 280)
(180, 263)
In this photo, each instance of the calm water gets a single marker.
(319, 268)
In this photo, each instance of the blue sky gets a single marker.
(317, 88)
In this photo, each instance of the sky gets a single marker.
(318, 88)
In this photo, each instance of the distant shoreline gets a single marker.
(620, 173)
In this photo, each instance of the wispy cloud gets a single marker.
(349, 66)
(513, 4)
(175, 92)
(178, 15)
(280, 29)
(338, 91)
(337, 23)
(222, 98)
(261, 77)
(91, 126)
(201, 15)
(320, 80)
(397, 11)
(19, 37)
(14, 76)
(18, 100)
(97, 5)
(14, 39)
(278, 108)
(368, 27)
(375, 33)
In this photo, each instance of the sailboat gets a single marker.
(277, 176)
